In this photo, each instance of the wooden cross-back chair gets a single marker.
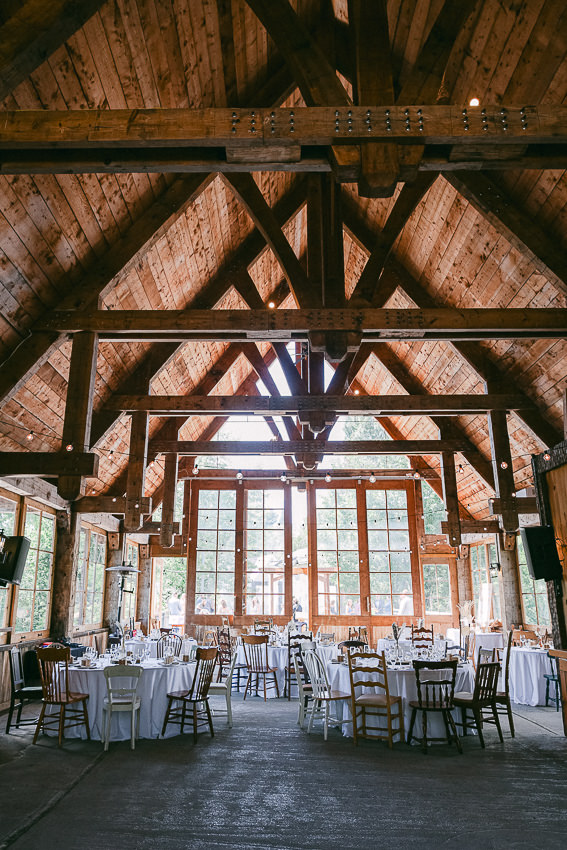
(168, 644)
(194, 702)
(435, 681)
(256, 653)
(481, 701)
(295, 643)
(21, 692)
(263, 627)
(72, 707)
(523, 634)
(368, 671)
(422, 638)
(503, 701)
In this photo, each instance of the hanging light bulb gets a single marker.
(461, 468)
(372, 478)
(547, 456)
(283, 477)
(30, 436)
(195, 470)
(69, 447)
(503, 464)
(417, 474)
(328, 478)
(239, 476)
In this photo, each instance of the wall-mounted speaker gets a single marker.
(541, 552)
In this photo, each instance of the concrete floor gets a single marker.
(266, 784)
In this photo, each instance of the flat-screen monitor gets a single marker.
(13, 561)
(541, 552)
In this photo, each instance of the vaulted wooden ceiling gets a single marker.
(489, 236)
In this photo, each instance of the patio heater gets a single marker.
(123, 570)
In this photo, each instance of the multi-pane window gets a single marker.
(338, 577)
(534, 593)
(437, 588)
(215, 555)
(264, 551)
(169, 581)
(482, 555)
(389, 556)
(130, 584)
(8, 512)
(89, 588)
(34, 594)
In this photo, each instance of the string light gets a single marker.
(271, 304)
(503, 464)
(417, 474)
(283, 477)
(547, 456)
(328, 478)
(239, 475)
(29, 436)
(372, 478)
(474, 101)
(69, 447)
(461, 468)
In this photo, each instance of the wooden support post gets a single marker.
(78, 406)
(451, 498)
(64, 574)
(112, 580)
(503, 469)
(136, 470)
(144, 590)
(464, 580)
(511, 602)
(565, 414)
(168, 503)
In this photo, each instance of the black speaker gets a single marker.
(541, 552)
(15, 553)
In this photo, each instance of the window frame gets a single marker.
(32, 633)
(89, 530)
(6, 622)
(532, 592)
(496, 585)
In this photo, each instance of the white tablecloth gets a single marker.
(138, 646)
(405, 645)
(155, 683)
(487, 640)
(277, 657)
(401, 683)
(527, 666)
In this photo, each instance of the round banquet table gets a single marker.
(137, 646)
(527, 666)
(401, 682)
(277, 657)
(155, 683)
(405, 645)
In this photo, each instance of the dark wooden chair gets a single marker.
(168, 644)
(263, 627)
(482, 699)
(256, 653)
(552, 678)
(422, 638)
(194, 702)
(368, 671)
(54, 669)
(295, 642)
(503, 701)
(351, 644)
(21, 692)
(435, 696)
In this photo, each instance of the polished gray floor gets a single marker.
(266, 784)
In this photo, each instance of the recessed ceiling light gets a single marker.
(474, 101)
(271, 304)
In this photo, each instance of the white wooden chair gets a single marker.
(224, 688)
(323, 696)
(122, 682)
(305, 691)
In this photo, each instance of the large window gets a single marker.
(34, 593)
(8, 517)
(338, 576)
(534, 593)
(89, 588)
(130, 584)
(215, 555)
(437, 588)
(264, 552)
(485, 581)
(389, 557)
(169, 582)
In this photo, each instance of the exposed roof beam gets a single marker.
(293, 447)
(48, 463)
(280, 325)
(34, 32)
(400, 405)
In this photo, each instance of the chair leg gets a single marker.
(228, 707)
(424, 729)
(107, 722)
(326, 721)
(210, 718)
(464, 720)
(497, 722)
(446, 722)
(412, 721)
(39, 723)
(133, 728)
(10, 712)
(557, 697)
(478, 721)
(401, 721)
(546, 693)
(86, 719)
(183, 716)
(166, 718)
(61, 723)
(194, 722)
(316, 702)
(277, 686)
(454, 730)
(248, 684)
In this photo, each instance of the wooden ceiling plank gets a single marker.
(517, 227)
(246, 190)
(409, 197)
(503, 470)
(35, 31)
(227, 52)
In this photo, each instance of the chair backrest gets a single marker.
(256, 652)
(206, 660)
(317, 675)
(54, 670)
(486, 683)
(299, 668)
(16, 668)
(351, 644)
(224, 644)
(422, 638)
(435, 690)
(165, 631)
(368, 670)
(263, 627)
(330, 636)
(520, 635)
(358, 633)
(168, 644)
(485, 655)
(122, 682)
